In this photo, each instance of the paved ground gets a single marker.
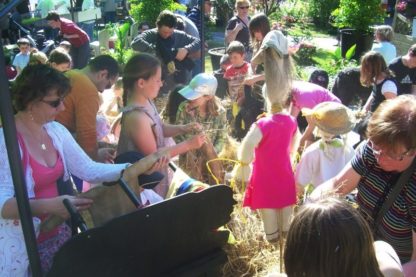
(327, 43)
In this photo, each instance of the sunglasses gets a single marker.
(379, 153)
(53, 103)
(244, 8)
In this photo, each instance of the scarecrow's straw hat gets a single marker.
(331, 117)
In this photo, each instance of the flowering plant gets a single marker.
(401, 6)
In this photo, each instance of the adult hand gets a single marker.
(159, 165)
(182, 52)
(106, 155)
(238, 27)
(57, 206)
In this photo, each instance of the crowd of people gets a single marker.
(76, 116)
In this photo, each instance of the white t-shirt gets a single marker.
(317, 166)
(389, 86)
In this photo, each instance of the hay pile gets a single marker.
(250, 254)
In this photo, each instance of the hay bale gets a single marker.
(250, 254)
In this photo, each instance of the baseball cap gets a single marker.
(202, 84)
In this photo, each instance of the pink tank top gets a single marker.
(45, 179)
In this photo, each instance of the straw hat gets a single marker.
(331, 117)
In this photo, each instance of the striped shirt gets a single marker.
(397, 224)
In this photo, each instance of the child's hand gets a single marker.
(249, 81)
(192, 127)
(196, 141)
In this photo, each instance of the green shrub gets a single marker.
(320, 10)
(358, 14)
(148, 10)
(290, 12)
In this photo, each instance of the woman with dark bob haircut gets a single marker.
(329, 238)
(49, 155)
(375, 170)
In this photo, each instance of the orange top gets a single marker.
(81, 108)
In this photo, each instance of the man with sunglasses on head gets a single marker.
(83, 102)
(375, 172)
(237, 27)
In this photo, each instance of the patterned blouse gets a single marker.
(373, 188)
(215, 127)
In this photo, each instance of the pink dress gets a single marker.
(272, 182)
(308, 95)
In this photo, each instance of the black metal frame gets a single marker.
(13, 151)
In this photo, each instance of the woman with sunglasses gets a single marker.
(237, 26)
(49, 155)
(374, 171)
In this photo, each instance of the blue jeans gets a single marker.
(80, 55)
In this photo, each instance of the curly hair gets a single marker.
(37, 81)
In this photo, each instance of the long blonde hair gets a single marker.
(278, 72)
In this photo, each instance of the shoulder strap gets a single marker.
(242, 21)
(403, 179)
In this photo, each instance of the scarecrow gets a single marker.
(269, 143)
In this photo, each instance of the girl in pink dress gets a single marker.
(271, 188)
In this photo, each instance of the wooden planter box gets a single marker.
(402, 29)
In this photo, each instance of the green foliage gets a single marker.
(358, 14)
(224, 10)
(148, 10)
(305, 54)
(350, 52)
(332, 61)
(121, 52)
(121, 44)
(320, 10)
(291, 11)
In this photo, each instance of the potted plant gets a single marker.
(355, 18)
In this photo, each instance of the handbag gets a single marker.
(392, 196)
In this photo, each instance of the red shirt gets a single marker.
(70, 28)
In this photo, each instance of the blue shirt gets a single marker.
(386, 49)
(20, 61)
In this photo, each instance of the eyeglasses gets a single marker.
(379, 153)
(53, 103)
(244, 8)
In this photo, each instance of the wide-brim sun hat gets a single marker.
(201, 85)
(331, 117)
(275, 40)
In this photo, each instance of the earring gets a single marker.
(31, 116)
